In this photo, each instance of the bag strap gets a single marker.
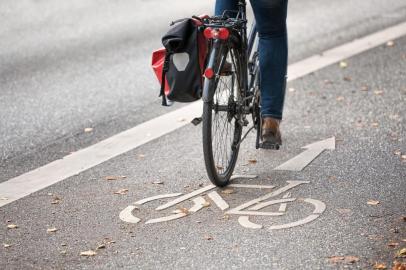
(163, 82)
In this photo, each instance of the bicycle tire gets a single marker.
(220, 166)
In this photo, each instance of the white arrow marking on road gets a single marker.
(313, 150)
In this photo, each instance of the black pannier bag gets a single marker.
(179, 65)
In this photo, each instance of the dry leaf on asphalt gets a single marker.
(252, 161)
(12, 226)
(101, 246)
(403, 157)
(115, 177)
(401, 253)
(343, 259)
(373, 202)
(6, 245)
(158, 183)
(88, 253)
(340, 98)
(206, 204)
(379, 266)
(375, 124)
(55, 200)
(51, 230)
(397, 152)
(343, 64)
(344, 211)
(347, 79)
(393, 244)
(208, 237)
(399, 266)
(364, 88)
(228, 191)
(87, 130)
(141, 156)
(122, 191)
(390, 43)
(184, 210)
(378, 92)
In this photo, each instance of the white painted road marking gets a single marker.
(199, 203)
(75, 163)
(299, 162)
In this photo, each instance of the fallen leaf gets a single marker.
(115, 177)
(122, 191)
(88, 253)
(399, 266)
(393, 244)
(141, 156)
(401, 253)
(397, 152)
(351, 259)
(347, 79)
(6, 245)
(378, 92)
(343, 64)
(206, 204)
(340, 98)
(87, 130)
(344, 211)
(12, 226)
(404, 240)
(63, 252)
(375, 237)
(375, 124)
(403, 157)
(364, 88)
(55, 200)
(158, 183)
(380, 266)
(208, 237)
(184, 210)
(101, 246)
(227, 191)
(252, 161)
(51, 230)
(328, 82)
(63, 244)
(373, 202)
(390, 43)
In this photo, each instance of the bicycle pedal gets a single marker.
(270, 146)
(196, 121)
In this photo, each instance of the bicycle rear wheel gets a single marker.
(222, 127)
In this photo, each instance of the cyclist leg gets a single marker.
(270, 16)
(222, 5)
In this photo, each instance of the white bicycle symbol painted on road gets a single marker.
(245, 210)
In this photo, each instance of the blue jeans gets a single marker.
(270, 16)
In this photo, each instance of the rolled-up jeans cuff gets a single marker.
(279, 117)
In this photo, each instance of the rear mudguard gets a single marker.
(209, 85)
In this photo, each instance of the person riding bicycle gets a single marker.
(270, 16)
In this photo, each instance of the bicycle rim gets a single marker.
(221, 126)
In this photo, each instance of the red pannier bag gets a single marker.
(180, 63)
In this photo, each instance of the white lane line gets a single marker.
(75, 163)
(216, 198)
(344, 51)
(157, 197)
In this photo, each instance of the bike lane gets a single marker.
(360, 181)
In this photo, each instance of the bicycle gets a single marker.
(229, 95)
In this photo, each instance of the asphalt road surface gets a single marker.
(65, 67)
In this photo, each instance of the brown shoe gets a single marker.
(271, 134)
